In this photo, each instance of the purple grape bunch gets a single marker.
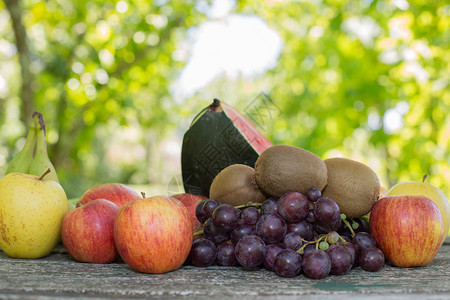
(291, 235)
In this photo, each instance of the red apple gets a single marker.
(408, 229)
(87, 232)
(154, 234)
(116, 192)
(191, 201)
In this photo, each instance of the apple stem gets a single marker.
(45, 174)
(143, 194)
(424, 178)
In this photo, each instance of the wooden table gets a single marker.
(59, 276)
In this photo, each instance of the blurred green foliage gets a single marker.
(103, 73)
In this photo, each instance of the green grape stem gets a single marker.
(342, 239)
(198, 233)
(320, 239)
(347, 224)
(365, 218)
(355, 224)
(254, 204)
(300, 250)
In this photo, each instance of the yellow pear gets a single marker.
(31, 213)
(428, 190)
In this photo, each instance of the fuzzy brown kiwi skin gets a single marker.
(284, 168)
(236, 185)
(352, 185)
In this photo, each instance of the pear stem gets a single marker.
(45, 174)
(41, 120)
(424, 178)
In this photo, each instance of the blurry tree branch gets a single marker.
(165, 35)
(58, 149)
(27, 97)
(2, 109)
(67, 140)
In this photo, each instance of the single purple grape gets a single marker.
(341, 259)
(303, 228)
(316, 264)
(363, 240)
(326, 210)
(271, 228)
(225, 254)
(313, 194)
(269, 206)
(242, 231)
(293, 207)
(292, 241)
(203, 253)
(204, 209)
(288, 263)
(250, 215)
(250, 251)
(272, 251)
(328, 215)
(372, 259)
(226, 217)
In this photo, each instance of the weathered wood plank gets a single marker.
(58, 275)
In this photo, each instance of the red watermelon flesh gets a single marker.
(219, 136)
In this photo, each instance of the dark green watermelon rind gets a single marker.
(199, 115)
(227, 147)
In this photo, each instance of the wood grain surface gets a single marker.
(59, 276)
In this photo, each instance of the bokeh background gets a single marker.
(119, 82)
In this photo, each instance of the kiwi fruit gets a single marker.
(283, 168)
(352, 185)
(236, 185)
